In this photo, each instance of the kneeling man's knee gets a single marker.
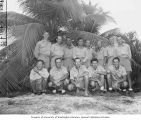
(125, 84)
(66, 82)
(50, 84)
(92, 83)
(71, 87)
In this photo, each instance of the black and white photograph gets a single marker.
(70, 57)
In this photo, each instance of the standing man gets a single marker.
(57, 50)
(96, 74)
(111, 50)
(124, 53)
(58, 77)
(80, 51)
(79, 76)
(101, 53)
(116, 75)
(38, 77)
(68, 54)
(43, 49)
(90, 53)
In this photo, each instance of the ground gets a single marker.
(68, 104)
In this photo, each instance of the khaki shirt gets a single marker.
(101, 53)
(57, 50)
(93, 72)
(76, 73)
(79, 52)
(56, 73)
(42, 73)
(43, 47)
(117, 73)
(111, 51)
(89, 53)
(68, 52)
(124, 51)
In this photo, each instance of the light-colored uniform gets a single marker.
(56, 74)
(117, 74)
(124, 53)
(38, 80)
(68, 57)
(100, 54)
(89, 56)
(95, 76)
(42, 51)
(57, 51)
(78, 75)
(111, 53)
(79, 53)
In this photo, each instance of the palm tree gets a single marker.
(41, 15)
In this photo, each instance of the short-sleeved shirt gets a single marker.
(42, 47)
(42, 73)
(89, 53)
(117, 73)
(101, 53)
(111, 51)
(79, 52)
(75, 73)
(124, 51)
(57, 50)
(93, 72)
(68, 52)
(58, 73)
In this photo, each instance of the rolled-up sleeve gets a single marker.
(32, 75)
(44, 73)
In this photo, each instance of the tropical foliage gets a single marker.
(45, 15)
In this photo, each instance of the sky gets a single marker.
(125, 12)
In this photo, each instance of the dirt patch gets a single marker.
(67, 104)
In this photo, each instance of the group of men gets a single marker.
(64, 67)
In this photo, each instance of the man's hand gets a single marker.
(36, 70)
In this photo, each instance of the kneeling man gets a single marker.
(96, 75)
(38, 77)
(79, 76)
(58, 77)
(116, 75)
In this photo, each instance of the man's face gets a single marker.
(78, 63)
(59, 39)
(88, 43)
(58, 63)
(39, 65)
(116, 63)
(99, 44)
(94, 64)
(46, 35)
(120, 41)
(69, 42)
(112, 40)
(80, 42)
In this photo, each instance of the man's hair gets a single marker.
(79, 38)
(58, 59)
(116, 58)
(77, 59)
(40, 61)
(94, 59)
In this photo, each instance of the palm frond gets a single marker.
(86, 36)
(16, 67)
(98, 14)
(114, 31)
(46, 10)
(14, 19)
